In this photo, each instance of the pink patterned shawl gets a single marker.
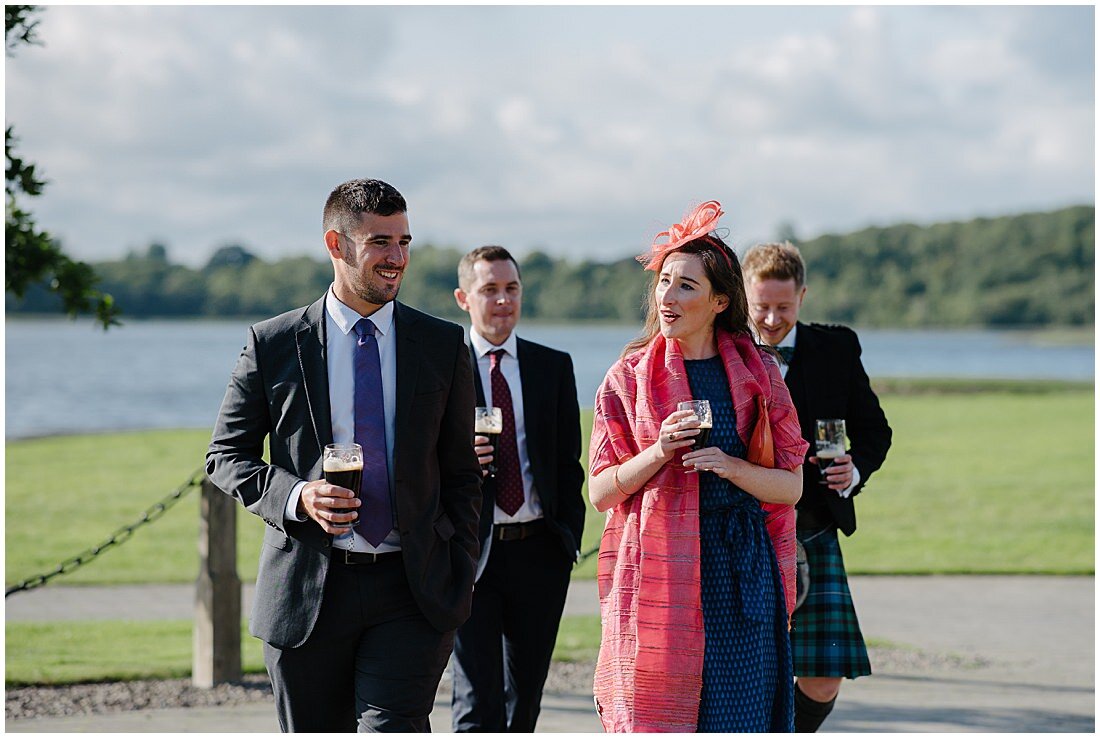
(649, 672)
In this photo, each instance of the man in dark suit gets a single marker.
(357, 623)
(822, 368)
(532, 512)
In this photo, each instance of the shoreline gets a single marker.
(884, 386)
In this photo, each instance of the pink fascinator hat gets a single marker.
(699, 222)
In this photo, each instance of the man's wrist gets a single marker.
(846, 493)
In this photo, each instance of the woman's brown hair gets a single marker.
(723, 270)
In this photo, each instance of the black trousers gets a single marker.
(502, 653)
(372, 663)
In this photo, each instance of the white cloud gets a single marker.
(580, 130)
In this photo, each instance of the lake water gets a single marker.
(70, 377)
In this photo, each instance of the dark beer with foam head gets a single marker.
(703, 439)
(489, 421)
(826, 455)
(343, 467)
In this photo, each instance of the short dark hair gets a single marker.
(482, 253)
(349, 200)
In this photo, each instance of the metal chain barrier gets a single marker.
(119, 536)
(590, 552)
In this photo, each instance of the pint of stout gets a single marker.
(703, 439)
(343, 467)
(488, 421)
(826, 454)
(702, 411)
(830, 441)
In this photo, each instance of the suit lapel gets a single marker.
(528, 377)
(408, 370)
(313, 361)
(479, 390)
(796, 378)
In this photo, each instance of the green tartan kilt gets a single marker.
(825, 636)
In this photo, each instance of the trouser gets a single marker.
(502, 653)
(371, 664)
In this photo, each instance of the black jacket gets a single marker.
(827, 380)
(552, 420)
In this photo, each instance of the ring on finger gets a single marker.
(672, 436)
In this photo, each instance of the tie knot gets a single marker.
(786, 353)
(364, 327)
(495, 358)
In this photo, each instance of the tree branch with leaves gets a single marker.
(32, 256)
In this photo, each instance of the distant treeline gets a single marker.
(1034, 269)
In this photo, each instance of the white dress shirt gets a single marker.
(341, 343)
(531, 509)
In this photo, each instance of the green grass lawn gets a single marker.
(981, 483)
(991, 482)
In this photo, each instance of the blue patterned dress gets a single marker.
(747, 672)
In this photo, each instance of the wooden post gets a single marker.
(217, 641)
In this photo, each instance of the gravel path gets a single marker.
(950, 654)
(106, 697)
(564, 678)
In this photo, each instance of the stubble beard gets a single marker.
(366, 291)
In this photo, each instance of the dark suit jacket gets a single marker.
(827, 380)
(552, 421)
(279, 391)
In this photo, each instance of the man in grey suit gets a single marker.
(357, 623)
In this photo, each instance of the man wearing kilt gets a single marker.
(822, 368)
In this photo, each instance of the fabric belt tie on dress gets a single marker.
(518, 531)
(745, 530)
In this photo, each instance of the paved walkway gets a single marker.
(951, 654)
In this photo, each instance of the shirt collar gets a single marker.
(788, 340)
(346, 318)
(482, 346)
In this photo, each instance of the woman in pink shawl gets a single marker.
(697, 557)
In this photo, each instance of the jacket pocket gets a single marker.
(444, 527)
(277, 539)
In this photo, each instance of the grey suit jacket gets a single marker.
(279, 392)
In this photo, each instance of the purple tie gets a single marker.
(375, 514)
(509, 478)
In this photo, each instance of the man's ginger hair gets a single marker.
(781, 261)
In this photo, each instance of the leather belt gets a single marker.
(518, 531)
(357, 558)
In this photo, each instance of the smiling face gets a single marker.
(685, 301)
(774, 306)
(370, 260)
(493, 298)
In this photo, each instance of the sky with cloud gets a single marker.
(580, 131)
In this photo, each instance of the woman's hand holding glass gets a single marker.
(677, 431)
(712, 459)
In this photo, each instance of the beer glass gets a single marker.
(831, 441)
(701, 408)
(343, 467)
(488, 421)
